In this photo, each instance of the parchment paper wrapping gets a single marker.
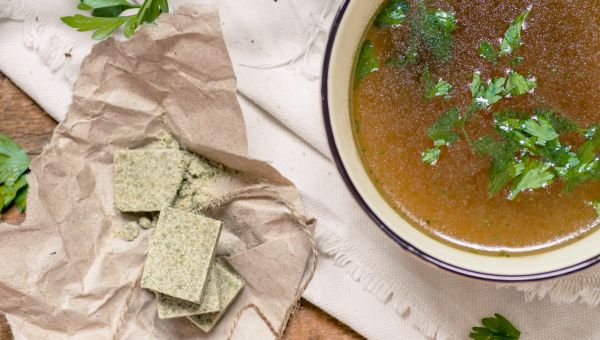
(64, 275)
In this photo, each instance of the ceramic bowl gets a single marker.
(349, 27)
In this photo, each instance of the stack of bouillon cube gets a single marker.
(180, 267)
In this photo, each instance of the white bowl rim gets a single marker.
(379, 222)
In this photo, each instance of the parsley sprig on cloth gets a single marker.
(106, 16)
(495, 328)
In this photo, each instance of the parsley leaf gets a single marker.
(495, 328)
(537, 174)
(393, 14)
(431, 89)
(517, 84)
(512, 37)
(444, 20)
(504, 167)
(14, 163)
(367, 61)
(105, 16)
(541, 128)
(431, 156)
(560, 123)
(516, 61)
(103, 27)
(442, 132)
(434, 29)
(443, 128)
(484, 95)
(106, 8)
(487, 51)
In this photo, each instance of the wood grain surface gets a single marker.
(32, 128)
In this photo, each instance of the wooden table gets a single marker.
(31, 128)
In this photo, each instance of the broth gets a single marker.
(450, 201)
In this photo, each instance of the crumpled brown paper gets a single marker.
(63, 274)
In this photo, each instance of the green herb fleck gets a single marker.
(431, 156)
(596, 205)
(442, 132)
(484, 95)
(517, 84)
(393, 14)
(367, 61)
(434, 28)
(536, 175)
(516, 61)
(14, 164)
(512, 37)
(487, 51)
(431, 89)
(495, 328)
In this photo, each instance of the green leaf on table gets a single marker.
(21, 199)
(8, 193)
(432, 89)
(512, 37)
(487, 51)
(517, 84)
(392, 14)
(495, 328)
(14, 162)
(368, 61)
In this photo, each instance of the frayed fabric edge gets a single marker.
(385, 292)
(53, 43)
(580, 288)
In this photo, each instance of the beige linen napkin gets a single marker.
(63, 273)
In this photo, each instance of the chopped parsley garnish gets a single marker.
(509, 43)
(512, 37)
(495, 328)
(393, 14)
(106, 16)
(484, 95)
(517, 84)
(433, 89)
(367, 61)
(442, 133)
(433, 28)
(487, 51)
(530, 154)
(14, 164)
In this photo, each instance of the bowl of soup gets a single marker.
(469, 130)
